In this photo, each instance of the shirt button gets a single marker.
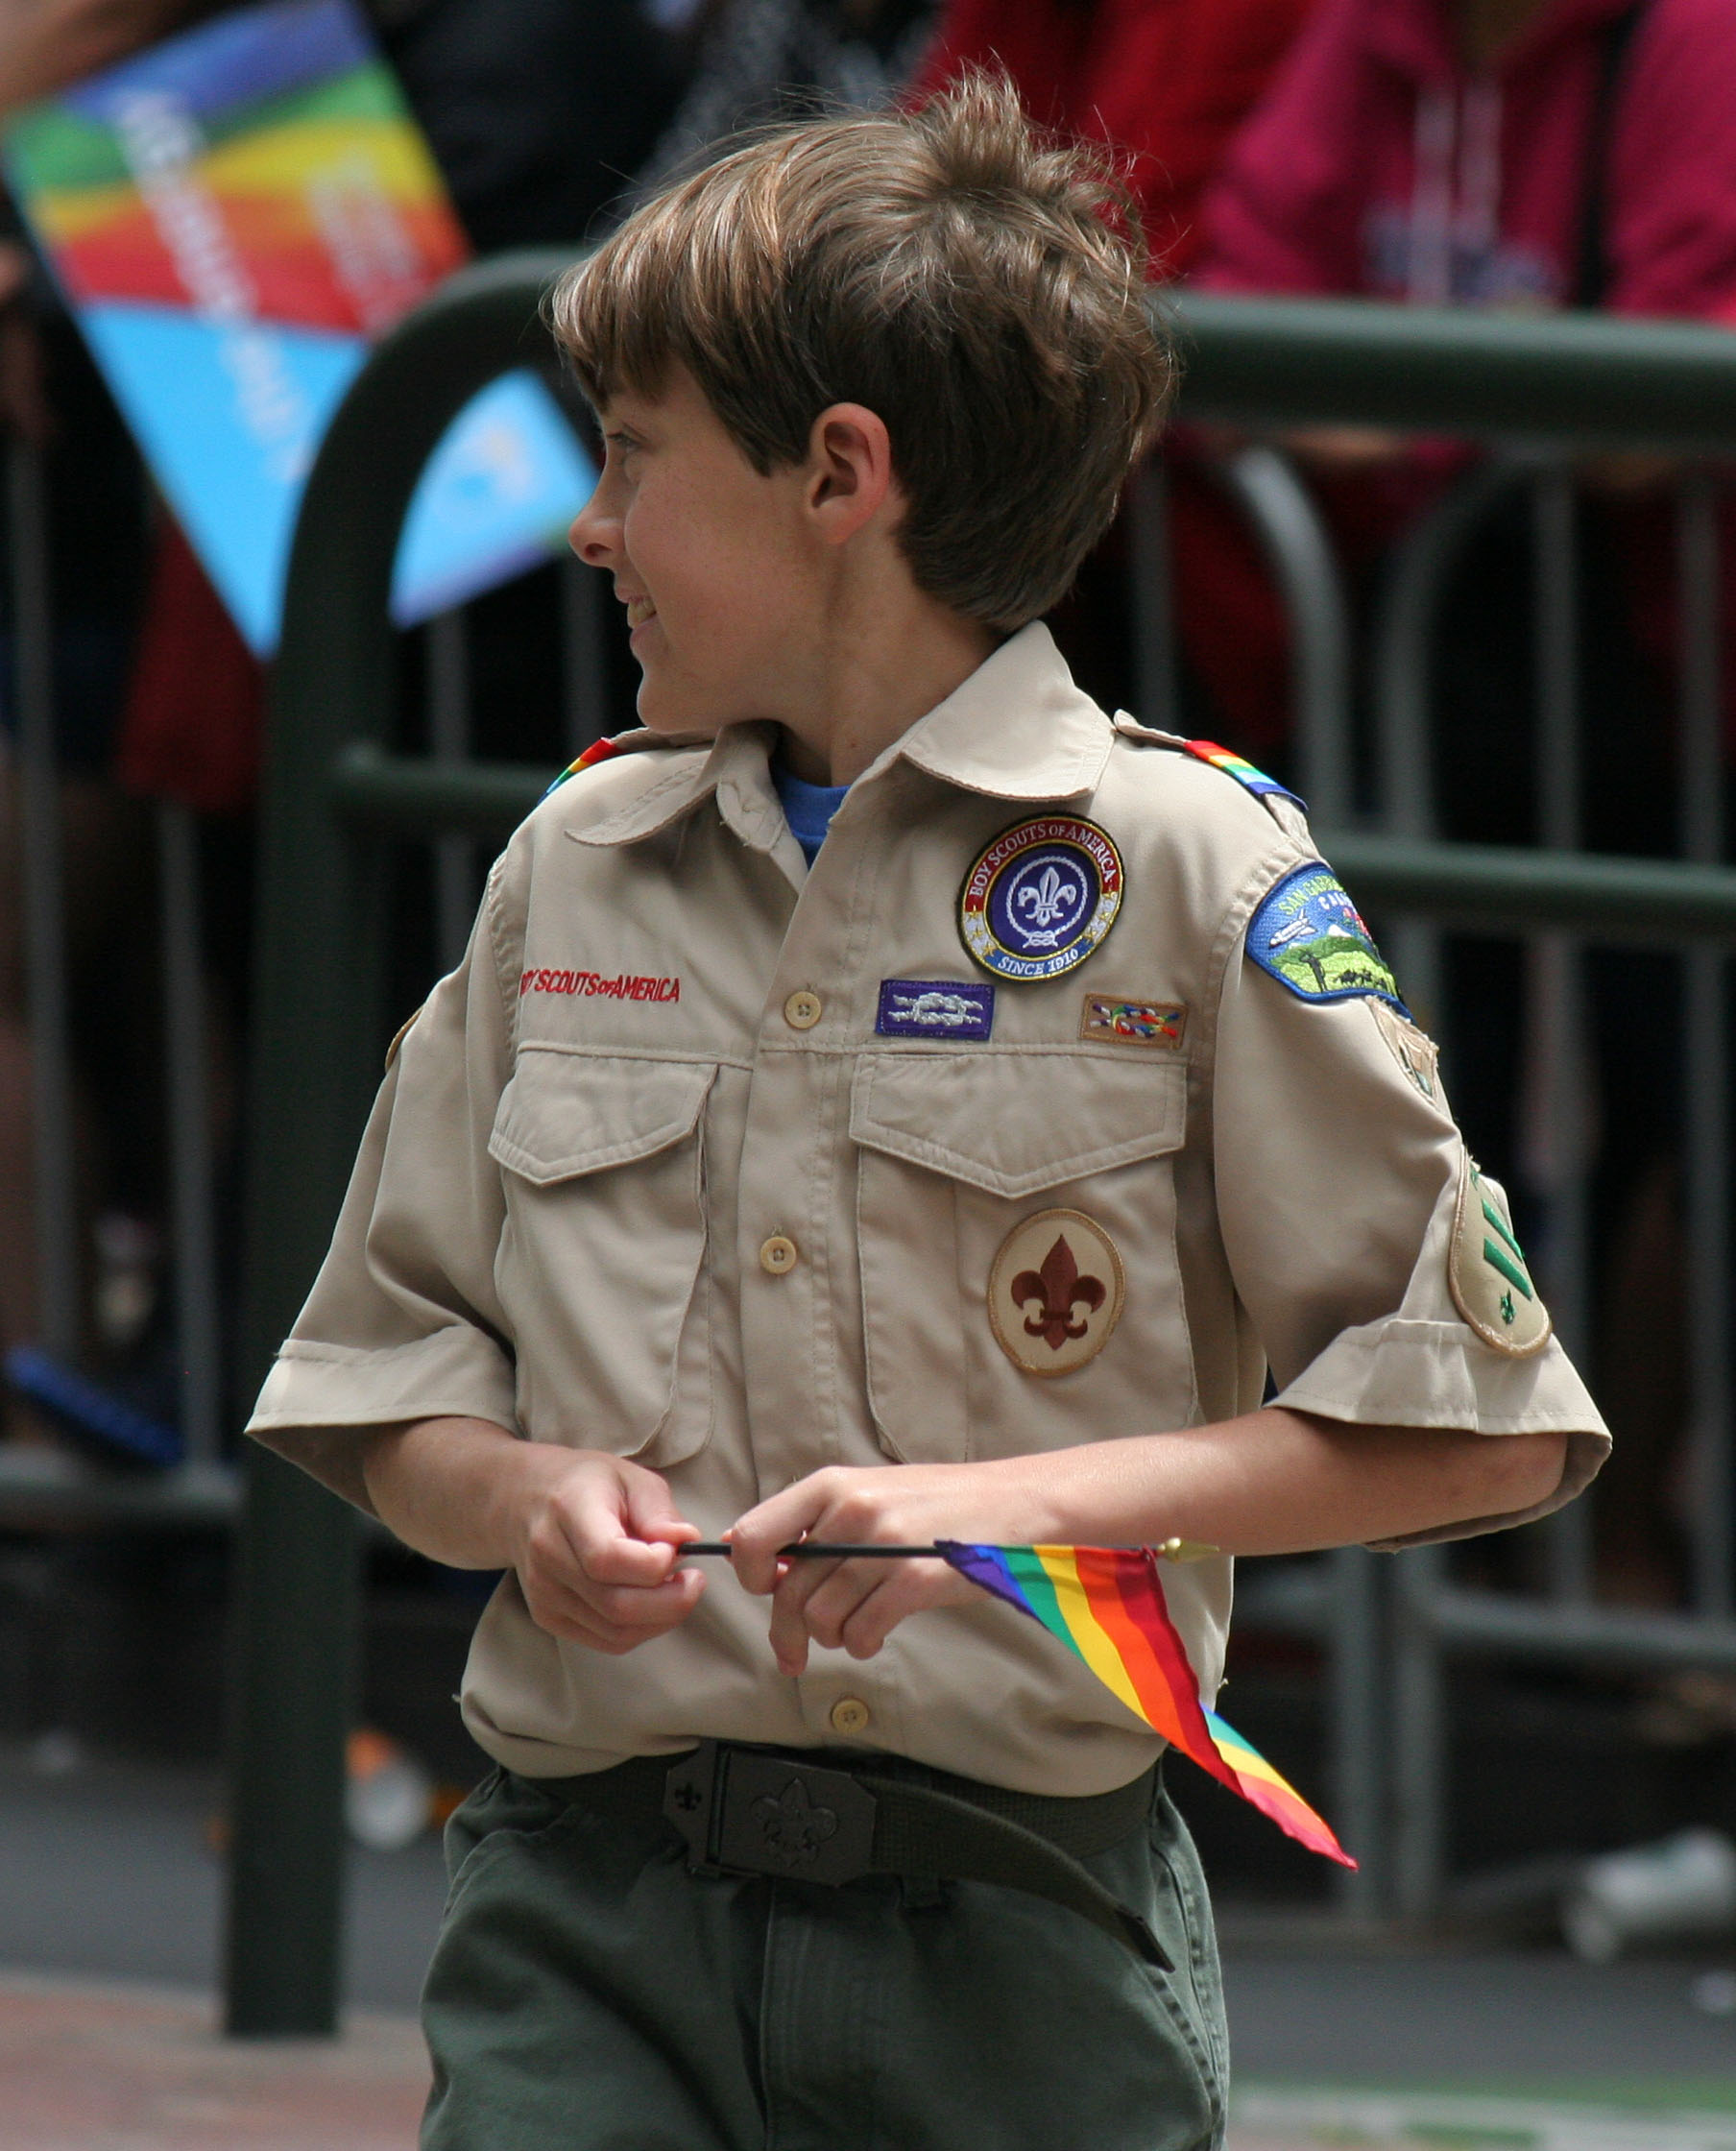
(778, 1255)
(803, 1009)
(849, 1716)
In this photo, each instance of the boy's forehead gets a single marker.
(676, 397)
(624, 406)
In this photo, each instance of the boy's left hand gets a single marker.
(855, 1605)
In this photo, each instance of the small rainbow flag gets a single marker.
(1107, 1602)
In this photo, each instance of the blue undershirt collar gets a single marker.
(807, 808)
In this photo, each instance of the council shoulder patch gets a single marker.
(1487, 1274)
(1312, 938)
(1041, 898)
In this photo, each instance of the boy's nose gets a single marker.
(595, 536)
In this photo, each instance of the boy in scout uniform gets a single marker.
(949, 1161)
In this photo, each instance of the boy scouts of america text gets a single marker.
(624, 987)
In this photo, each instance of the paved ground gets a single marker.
(109, 1870)
(92, 2068)
(109, 1917)
(1476, 2023)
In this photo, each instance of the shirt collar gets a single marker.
(735, 767)
(1016, 728)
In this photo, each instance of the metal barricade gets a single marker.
(40, 1485)
(333, 790)
(1386, 1628)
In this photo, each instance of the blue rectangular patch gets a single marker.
(934, 1008)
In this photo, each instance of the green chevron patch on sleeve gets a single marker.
(1488, 1273)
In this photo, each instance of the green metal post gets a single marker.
(315, 1036)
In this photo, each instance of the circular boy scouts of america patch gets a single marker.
(1488, 1275)
(1041, 898)
(1055, 1292)
(1310, 937)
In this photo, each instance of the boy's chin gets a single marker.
(677, 716)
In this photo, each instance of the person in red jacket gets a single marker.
(1498, 153)
(1517, 155)
(1437, 151)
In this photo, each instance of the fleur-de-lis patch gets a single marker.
(1055, 1292)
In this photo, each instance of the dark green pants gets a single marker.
(589, 1993)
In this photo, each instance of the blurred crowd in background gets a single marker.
(1506, 155)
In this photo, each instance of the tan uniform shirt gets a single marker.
(645, 1176)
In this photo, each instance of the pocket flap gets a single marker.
(565, 1113)
(1012, 1123)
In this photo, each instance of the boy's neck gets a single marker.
(870, 680)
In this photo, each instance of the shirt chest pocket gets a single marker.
(601, 1266)
(1016, 1226)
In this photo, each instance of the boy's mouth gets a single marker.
(639, 610)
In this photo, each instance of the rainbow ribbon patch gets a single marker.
(599, 750)
(1242, 769)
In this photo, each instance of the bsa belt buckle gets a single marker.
(744, 1811)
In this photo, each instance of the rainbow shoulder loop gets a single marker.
(1107, 1604)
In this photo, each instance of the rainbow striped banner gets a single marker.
(233, 215)
(1107, 1603)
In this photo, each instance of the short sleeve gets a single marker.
(404, 1321)
(1342, 1179)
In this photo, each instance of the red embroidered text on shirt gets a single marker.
(625, 986)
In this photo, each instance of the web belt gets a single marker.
(817, 1816)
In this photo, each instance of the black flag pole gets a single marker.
(819, 1550)
(824, 1550)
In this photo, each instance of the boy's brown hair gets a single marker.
(981, 288)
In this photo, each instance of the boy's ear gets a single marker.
(850, 476)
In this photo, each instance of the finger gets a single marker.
(568, 1625)
(551, 1555)
(622, 1605)
(789, 1629)
(629, 1606)
(563, 1613)
(825, 1609)
(921, 1585)
(621, 1620)
(594, 1516)
(795, 1513)
(650, 1511)
(874, 1616)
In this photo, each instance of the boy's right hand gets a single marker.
(598, 1542)
(593, 1539)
